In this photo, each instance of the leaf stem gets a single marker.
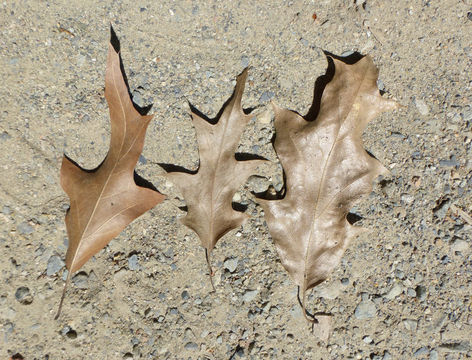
(311, 318)
(210, 270)
(63, 296)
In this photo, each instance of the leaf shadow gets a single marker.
(115, 42)
(138, 179)
(142, 182)
(309, 314)
(170, 168)
(214, 120)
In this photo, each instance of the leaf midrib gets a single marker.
(213, 178)
(115, 87)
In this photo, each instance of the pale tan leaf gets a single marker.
(327, 170)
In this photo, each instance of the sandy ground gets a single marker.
(403, 289)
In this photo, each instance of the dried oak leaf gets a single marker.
(208, 193)
(327, 170)
(105, 200)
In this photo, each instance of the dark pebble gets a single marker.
(23, 295)
(191, 346)
(185, 295)
(71, 334)
(421, 292)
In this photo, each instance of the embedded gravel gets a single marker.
(403, 289)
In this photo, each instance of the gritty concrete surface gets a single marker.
(403, 289)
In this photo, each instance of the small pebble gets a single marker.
(367, 339)
(396, 290)
(138, 99)
(133, 262)
(250, 295)
(142, 160)
(421, 292)
(266, 96)
(410, 324)
(191, 346)
(25, 228)
(380, 85)
(365, 310)
(422, 107)
(173, 311)
(452, 162)
(6, 210)
(5, 136)
(244, 61)
(23, 295)
(185, 295)
(81, 280)
(231, 264)
(55, 264)
(459, 245)
(421, 351)
(68, 332)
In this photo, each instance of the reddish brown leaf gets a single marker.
(105, 200)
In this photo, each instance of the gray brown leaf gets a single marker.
(209, 192)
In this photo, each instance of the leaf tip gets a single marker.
(275, 107)
(240, 85)
(114, 42)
